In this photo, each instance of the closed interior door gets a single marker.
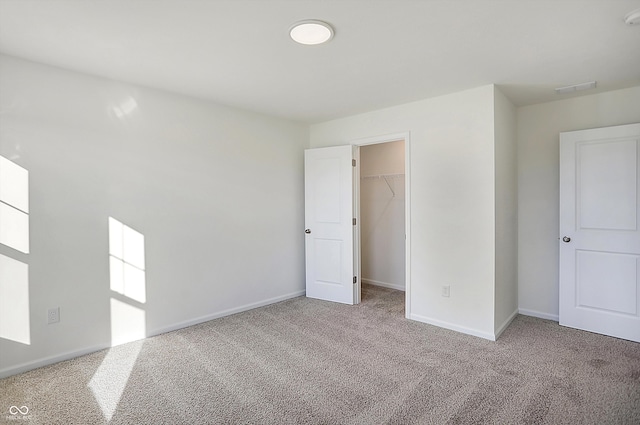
(599, 237)
(329, 229)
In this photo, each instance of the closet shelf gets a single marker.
(386, 178)
(382, 176)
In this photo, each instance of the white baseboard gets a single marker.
(229, 312)
(539, 314)
(506, 324)
(25, 367)
(383, 284)
(454, 327)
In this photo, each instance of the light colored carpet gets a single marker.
(305, 361)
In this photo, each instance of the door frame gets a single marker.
(374, 140)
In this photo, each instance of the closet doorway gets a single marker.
(338, 220)
(382, 210)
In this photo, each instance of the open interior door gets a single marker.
(329, 224)
(599, 234)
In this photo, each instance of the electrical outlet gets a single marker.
(445, 290)
(53, 315)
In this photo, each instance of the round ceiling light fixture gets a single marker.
(311, 32)
(633, 17)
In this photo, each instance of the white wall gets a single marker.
(538, 194)
(452, 201)
(216, 192)
(382, 216)
(218, 195)
(506, 172)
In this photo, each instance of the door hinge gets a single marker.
(354, 221)
(355, 279)
(353, 162)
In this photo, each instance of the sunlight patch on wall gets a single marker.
(14, 206)
(128, 323)
(14, 300)
(14, 228)
(14, 185)
(128, 317)
(127, 278)
(125, 108)
(126, 261)
(14, 233)
(110, 380)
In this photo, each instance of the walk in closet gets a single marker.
(382, 214)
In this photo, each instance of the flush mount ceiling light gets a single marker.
(633, 17)
(311, 32)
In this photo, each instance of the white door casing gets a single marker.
(329, 229)
(599, 236)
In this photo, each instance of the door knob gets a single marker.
(566, 239)
(307, 230)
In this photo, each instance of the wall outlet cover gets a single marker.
(53, 315)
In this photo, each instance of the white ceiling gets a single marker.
(238, 52)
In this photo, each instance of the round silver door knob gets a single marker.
(307, 230)
(566, 239)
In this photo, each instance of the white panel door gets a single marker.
(599, 237)
(329, 246)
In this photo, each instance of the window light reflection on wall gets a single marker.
(126, 261)
(127, 281)
(14, 206)
(14, 300)
(14, 233)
